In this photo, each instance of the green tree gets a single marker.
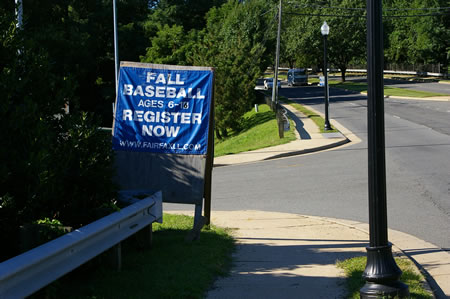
(234, 42)
(417, 39)
(303, 42)
(52, 165)
(347, 38)
(172, 28)
(171, 45)
(78, 37)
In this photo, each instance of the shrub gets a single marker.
(52, 165)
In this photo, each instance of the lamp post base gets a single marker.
(382, 274)
(327, 126)
(373, 290)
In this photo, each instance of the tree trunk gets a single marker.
(343, 74)
(224, 133)
(218, 134)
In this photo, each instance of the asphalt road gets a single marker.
(335, 184)
(412, 85)
(430, 87)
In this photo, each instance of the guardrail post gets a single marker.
(280, 120)
(145, 237)
(115, 257)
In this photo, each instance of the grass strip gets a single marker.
(354, 269)
(318, 120)
(173, 268)
(260, 130)
(388, 90)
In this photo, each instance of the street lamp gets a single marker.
(325, 29)
(381, 273)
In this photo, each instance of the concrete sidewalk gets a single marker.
(282, 255)
(309, 139)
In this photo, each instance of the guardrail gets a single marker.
(27, 273)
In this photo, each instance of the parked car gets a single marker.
(297, 77)
(268, 83)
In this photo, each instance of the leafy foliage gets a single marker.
(304, 41)
(418, 38)
(233, 43)
(52, 165)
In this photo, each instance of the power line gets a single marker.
(267, 11)
(324, 15)
(424, 8)
(331, 7)
(421, 15)
(363, 8)
(364, 16)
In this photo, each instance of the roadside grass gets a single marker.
(354, 269)
(260, 130)
(318, 120)
(172, 268)
(388, 90)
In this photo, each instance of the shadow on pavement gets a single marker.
(303, 268)
(299, 126)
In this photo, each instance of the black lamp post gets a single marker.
(382, 273)
(325, 29)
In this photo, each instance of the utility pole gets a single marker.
(275, 78)
(116, 55)
(116, 46)
(277, 60)
(382, 273)
(19, 11)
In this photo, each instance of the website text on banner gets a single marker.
(162, 110)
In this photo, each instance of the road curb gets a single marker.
(309, 150)
(437, 99)
(426, 256)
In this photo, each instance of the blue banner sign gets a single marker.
(162, 108)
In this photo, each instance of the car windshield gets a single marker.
(299, 73)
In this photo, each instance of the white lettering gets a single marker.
(196, 118)
(158, 131)
(169, 79)
(185, 118)
(161, 79)
(181, 93)
(138, 91)
(147, 130)
(171, 92)
(178, 81)
(175, 117)
(149, 91)
(172, 131)
(199, 95)
(160, 91)
(150, 76)
(165, 118)
(138, 115)
(128, 89)
(127, 114)
(149, 116)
